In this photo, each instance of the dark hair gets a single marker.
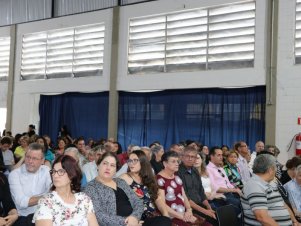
(233, 152)
(78, 140)
(190, 149)
(265, 151)
(45, 143)
(6, 140)
(225, 146)
(32, 126)
(167, 155)
(72, 169)
(109, 154)
(119, 150)
(212, 150)
(293, 162)
(146, 174)
(63, 139)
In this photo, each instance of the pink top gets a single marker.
(218, 177)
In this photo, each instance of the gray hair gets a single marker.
(98, 148)
(156, 148)
(263, 163)
(37, 147)
(72, 149)
(298, 169)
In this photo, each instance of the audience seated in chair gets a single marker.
(262, 203)
(29, 183)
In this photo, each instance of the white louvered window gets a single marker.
(69, 52)
(4, 57)
(298, 33)
(200, 39)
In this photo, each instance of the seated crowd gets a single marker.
(98, 184)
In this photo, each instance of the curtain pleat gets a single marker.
(210, 116)
(85, 114)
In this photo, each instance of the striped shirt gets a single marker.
(260, 195)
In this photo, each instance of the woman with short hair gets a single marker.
(65, 204)
(114, 201)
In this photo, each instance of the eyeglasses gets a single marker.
(221, 173)
(59, 172)
(132, 161)
(190, 157)
(32, 158)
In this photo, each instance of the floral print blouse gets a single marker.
(52, 207)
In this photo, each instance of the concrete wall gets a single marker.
(26, 93)
(288, 100)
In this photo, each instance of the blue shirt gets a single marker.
(294, 194)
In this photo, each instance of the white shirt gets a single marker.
(122, 170)
(251, 163)
(90, 170)
(8, 157)
(23, 185)
(206, 184)
(243, 166)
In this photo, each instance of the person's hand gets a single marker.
(131, 221)
(188, 217)
(10, 219)
(210, 213)
(2, 221)
(236, 190)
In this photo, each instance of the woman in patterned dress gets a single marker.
(172, 191)
(141, 179)
(65, 205)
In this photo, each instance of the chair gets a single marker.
(226, 216)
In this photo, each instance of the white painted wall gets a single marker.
(4, 32)
(288, 105)
(215, 78)
(26, 93)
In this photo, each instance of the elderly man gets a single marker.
(259, 146)
(90, 168)
(29, 183)
(193, 187)
(261, 201)
(242, 148)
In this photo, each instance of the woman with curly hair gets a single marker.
(141, 179)
(65, 204)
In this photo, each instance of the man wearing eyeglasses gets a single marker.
(219, 180)
(29, 183)
(242, 148)
(193, 187)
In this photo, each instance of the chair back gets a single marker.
(226, 216)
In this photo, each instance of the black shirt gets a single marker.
(6, 202)
(157, 166)
(123, 204)
(192, 184)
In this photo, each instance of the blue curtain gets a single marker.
(210, 116)
(85, 114)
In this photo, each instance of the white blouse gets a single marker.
(206, 184)
(52, 207)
